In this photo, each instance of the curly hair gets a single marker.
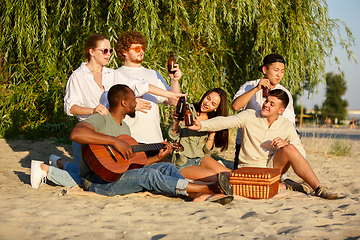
(91, 43)
(221, 137)
(125, 41)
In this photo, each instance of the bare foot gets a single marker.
(282, 186)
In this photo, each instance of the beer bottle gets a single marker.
(265, 92)
(188, 116)
(171, 62)
(180, 108)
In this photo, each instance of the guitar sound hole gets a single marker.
(111, 153)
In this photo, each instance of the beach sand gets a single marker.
(28, 213)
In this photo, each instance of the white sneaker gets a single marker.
(53, 160)
(38, 176)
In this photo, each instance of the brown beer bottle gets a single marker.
(171, 62)
(188, 116)
(180, 108)
(265, 92)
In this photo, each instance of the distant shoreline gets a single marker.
(343, 132)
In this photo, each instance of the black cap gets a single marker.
(271, 58)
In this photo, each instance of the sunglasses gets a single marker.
(137, 49)
(106, 50)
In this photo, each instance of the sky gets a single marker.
(347, 11)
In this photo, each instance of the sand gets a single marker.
(28, 213)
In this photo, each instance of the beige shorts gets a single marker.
(269, 164)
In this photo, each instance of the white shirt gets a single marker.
(145, 127)
(139, 87)
(257, 101)
(82, 90)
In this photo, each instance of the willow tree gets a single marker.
(217, 44)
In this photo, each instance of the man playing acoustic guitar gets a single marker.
(158, 176)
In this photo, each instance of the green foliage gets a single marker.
(334, 106)
(217, 44)
(340, 149)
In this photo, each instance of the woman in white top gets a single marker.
(83, 91)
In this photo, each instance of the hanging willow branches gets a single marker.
(217, 44)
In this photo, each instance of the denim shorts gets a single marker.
(190, 162)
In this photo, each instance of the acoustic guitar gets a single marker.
(109, 164)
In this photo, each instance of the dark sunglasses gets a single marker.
(106, 50)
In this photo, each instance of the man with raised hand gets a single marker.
(250, 95)
(145, 127)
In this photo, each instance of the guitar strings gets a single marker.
(147, 147)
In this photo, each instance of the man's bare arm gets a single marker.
(162, 154)
(242, 100)
(175, 86)
(84, 133)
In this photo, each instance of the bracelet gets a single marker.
(210, 139)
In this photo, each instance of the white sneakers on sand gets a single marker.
(53, 160)
(38, 176)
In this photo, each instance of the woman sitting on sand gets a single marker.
(195, 162)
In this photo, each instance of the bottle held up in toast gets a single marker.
(180, 108)
(171, 62)
(188, 116)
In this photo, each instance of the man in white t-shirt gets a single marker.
(145, 127)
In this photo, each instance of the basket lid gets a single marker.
(255, 172)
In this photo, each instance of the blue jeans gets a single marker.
(74, 167)
(161, 177)
(68, 178)
(70, 175)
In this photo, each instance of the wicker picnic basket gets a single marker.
(254, 182)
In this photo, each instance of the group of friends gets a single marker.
(109, 103)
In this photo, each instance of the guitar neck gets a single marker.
(147, 147)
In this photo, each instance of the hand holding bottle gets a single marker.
(173, 68)
(188, 116)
